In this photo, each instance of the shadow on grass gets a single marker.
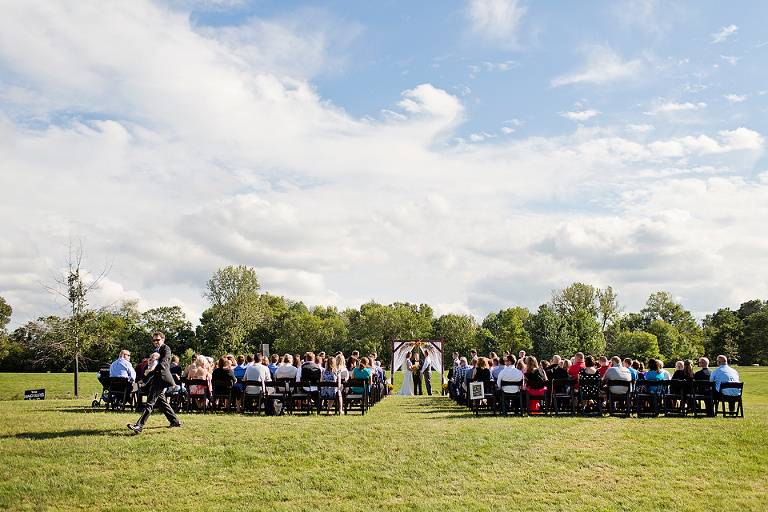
(87, 432)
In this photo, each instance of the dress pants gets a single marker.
(157, 396)
(428, 381)
(417, 383)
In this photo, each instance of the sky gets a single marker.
(473, 155)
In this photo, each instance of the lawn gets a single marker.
(421, 453)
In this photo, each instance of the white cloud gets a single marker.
(724, 33)
(202, 158)
(602, 65)
(497, 21)
(640, 128)
(580, 115)
(671, 107)
(730, 59)
(735, 98)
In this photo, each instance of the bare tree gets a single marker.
(75, 284)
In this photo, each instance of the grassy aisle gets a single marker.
(408, 453)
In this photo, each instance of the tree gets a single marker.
(508, 330)
(172, 321)
(723, 331)
(685, 340)
(750, 307)
(75, 284)
(754, 344)
(5, 314)
(608, 307)
(550, 334)
(637, 345)
(586, 332)
(576, 297)
(458, 331)
(230, 324)
(372, 328)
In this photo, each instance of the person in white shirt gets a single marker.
(258, 372)
(510, 373)
(286, 370)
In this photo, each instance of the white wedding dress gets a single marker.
(406, 389)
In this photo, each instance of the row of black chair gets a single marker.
(592, 396)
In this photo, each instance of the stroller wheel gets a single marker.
(95, 404)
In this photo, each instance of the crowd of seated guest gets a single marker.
(535, 378)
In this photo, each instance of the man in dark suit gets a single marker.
(160, 378)
(416, 374)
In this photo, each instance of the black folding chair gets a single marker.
(675, 397)
(355, 396)
(702, 391)
(735, 404)
(622, 397)
(120, 393)
(648, 394)
(512, 401)
(563, 391)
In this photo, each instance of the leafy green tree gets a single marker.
(723, 331)
(575, 298)
(750, 307)
(230, 324)
(172, 321)
(507, 327)
(686, 340)
(5, 314)
(550, 334)
(608, 308)
(460, 333)
(754, 344)
(586, 331)
(374, 326)
(322, 329)
(637, 345)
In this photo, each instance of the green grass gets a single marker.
(416, 453)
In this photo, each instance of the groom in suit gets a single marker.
(416, 375)
(426, 370)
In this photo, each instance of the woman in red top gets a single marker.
(536, 381)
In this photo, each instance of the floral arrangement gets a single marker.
(445, 386)
(415, 368)
(390, 387)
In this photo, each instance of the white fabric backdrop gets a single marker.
(405, 349)
(400, 355)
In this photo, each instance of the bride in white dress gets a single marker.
(406, 389)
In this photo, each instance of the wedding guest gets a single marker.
(682, 374)
(341, 366)
(663, 372)
(198, 370)
(509, 374)
(297, 360)
(496, 368)
(332, 374)
(704, 373)
(256, 374)
(121, 367)
(362, 372)
(285, 369)
(536, 383)
(481, 372)
(560, 370)
(724, 373)
(473, 355)
(576, 367)
(274, 359)
(352, 363)
(459, 376)
(603, 366)
(653, 373)
(617, 371)
(223, 377)
(628, 365)
(521, 356)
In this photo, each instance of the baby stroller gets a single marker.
(103, 377)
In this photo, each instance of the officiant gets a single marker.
(416, 371)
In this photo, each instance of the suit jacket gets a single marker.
(163, 369)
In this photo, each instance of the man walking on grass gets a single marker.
(160, 378)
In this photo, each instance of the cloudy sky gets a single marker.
(469, 154)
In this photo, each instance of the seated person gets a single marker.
(536, 383)
(223, 378)
(654, 373)
(121, 367)
(724, 373)
(618, 372)
(362, 372)
(703, 373)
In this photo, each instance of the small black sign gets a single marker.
(34, 394)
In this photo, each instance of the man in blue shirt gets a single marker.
(121, 367)
(724, 373)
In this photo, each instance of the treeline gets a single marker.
(241, 318)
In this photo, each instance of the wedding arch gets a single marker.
(431, 348)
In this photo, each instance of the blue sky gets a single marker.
(470, 154)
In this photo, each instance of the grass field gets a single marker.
(416, 453)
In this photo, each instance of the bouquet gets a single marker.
(415, 368)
